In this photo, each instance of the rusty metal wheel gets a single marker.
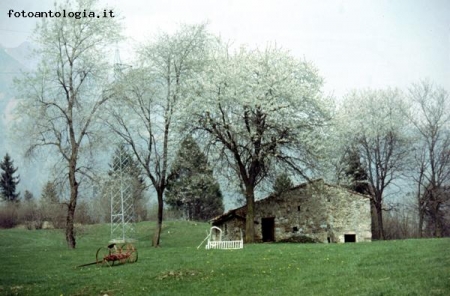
(131, 252)
(102, 255)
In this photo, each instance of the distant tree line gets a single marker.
(28, 210)
(399, 139)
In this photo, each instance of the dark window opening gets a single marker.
(350, 238)
(295, 229)
(298, 208)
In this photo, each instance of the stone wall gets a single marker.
(232, 229)
(348, 214)
(322, 212)
(295, 213)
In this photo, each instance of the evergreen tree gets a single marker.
(51, 208)
(49, 194)
(8, 181)
(356, 173)
(357, 176)
(28, 196)
(192, 187)
(282, 184)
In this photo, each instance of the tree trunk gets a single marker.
(157, 235)
(438, 221)
(438, 228)
(70, 237)
(420, 226)
(380, 221)
(374, 219)
(250, 217)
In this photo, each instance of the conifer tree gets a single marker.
(192, 187)
(282, 184)
(28, 196)
(49, 194)
(8, 181)
(52, 209)
(355, 172)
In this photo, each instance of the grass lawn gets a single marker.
(39, 263)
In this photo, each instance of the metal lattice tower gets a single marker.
(118, 66)
(121, 190)
(122, 202)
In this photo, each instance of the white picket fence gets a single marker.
(220, 244)
(228, 245)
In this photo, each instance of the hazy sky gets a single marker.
(355, 44)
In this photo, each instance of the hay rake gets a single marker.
(112, 254)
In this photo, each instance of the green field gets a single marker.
(39, 263)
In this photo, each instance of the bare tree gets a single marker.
(148, 103)
(59, 102)
(372, 121)
(430, 116)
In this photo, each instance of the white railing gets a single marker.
(228, 245)
(220, 244)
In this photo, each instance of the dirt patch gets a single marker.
(179, 274)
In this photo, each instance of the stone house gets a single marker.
(311, 211)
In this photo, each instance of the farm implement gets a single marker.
(113, 254)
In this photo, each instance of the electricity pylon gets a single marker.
(121, 190)
(122, 201)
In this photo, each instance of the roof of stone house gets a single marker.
(239, 213)
(228, 215)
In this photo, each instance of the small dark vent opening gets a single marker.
(350, 238)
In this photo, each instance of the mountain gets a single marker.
(12, 62)
(9, 67)
(23, 54)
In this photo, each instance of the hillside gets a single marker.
(39, 263)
